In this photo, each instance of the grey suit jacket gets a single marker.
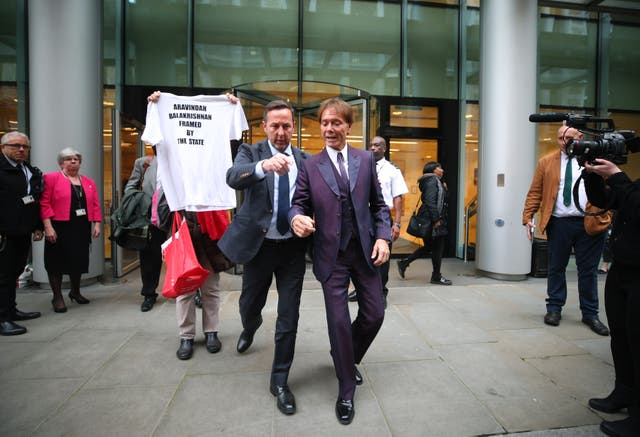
(149, 181)
(244, 236)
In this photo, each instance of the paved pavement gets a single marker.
(470, 359)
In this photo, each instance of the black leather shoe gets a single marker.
(621, 428)
(246, 338)
(147, 303)
(10, 328)
(596, 326)
(552, 318)
(402, 266)
(286, 400)
(185, 351)
(213, 344)
(353, 296)
(20, 315)
(344, 411)
(359, 379)
(621, 397)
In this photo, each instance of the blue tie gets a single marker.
(282, 221)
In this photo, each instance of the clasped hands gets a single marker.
(303, 226)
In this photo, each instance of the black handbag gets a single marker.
(419, 227)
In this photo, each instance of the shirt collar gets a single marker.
(333, 153)
(275, 151)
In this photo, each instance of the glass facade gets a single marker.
(404, 58)
(237, 42)
(432, 52)
(354, 43)
(156, 42)
(568, 61)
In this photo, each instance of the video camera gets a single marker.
(607, 143)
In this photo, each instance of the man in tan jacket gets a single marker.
(563, 224)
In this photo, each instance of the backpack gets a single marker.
(130, 221)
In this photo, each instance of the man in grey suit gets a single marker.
(259, 238)
(144, 172)
(338, 199)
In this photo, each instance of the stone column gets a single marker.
(507, 140)
(65, 97)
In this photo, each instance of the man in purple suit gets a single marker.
(338, 199)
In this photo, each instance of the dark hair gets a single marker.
(429, 167)
(276, 104)
(343, 108)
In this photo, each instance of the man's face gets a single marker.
(334, 129)
(279, 127)
(566, 134)
(378, 148)
(17, 149)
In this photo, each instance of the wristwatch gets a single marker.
(397, 224)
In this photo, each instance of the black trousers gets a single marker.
(151, 262)
(622, 304)
(436, 247)
(14, 252)
(285, 261)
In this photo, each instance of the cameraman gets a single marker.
(563, 222)
(608, 187)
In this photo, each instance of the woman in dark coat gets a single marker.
(434, 208)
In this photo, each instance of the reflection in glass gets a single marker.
(354, 43)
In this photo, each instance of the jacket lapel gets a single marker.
(264, 152)
(354, 168)
(324, 167)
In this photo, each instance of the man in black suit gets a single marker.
(259, 237)
(20, 190)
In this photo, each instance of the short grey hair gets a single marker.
(67, 152)
(6, 138)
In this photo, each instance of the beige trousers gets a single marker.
(186, 305)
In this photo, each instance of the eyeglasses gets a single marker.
(17, 146)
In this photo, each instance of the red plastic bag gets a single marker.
(184, 273)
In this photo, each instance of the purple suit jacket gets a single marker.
(318, 195)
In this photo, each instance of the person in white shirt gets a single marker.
(393, 187)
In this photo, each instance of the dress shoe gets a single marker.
(20, 315)
(402, 266)
(246, 338)
(185, 351)
(286, 400)
(213, 344)
(58, 308)
(621, 397)
(440, 281)
(148, 303)
(78, 298)
(353, 296)
(10, 328)
(359, 379)
(596, 326)
(628, 427)
(344, 411)
(552, 318)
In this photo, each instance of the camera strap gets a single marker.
(576, 200)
